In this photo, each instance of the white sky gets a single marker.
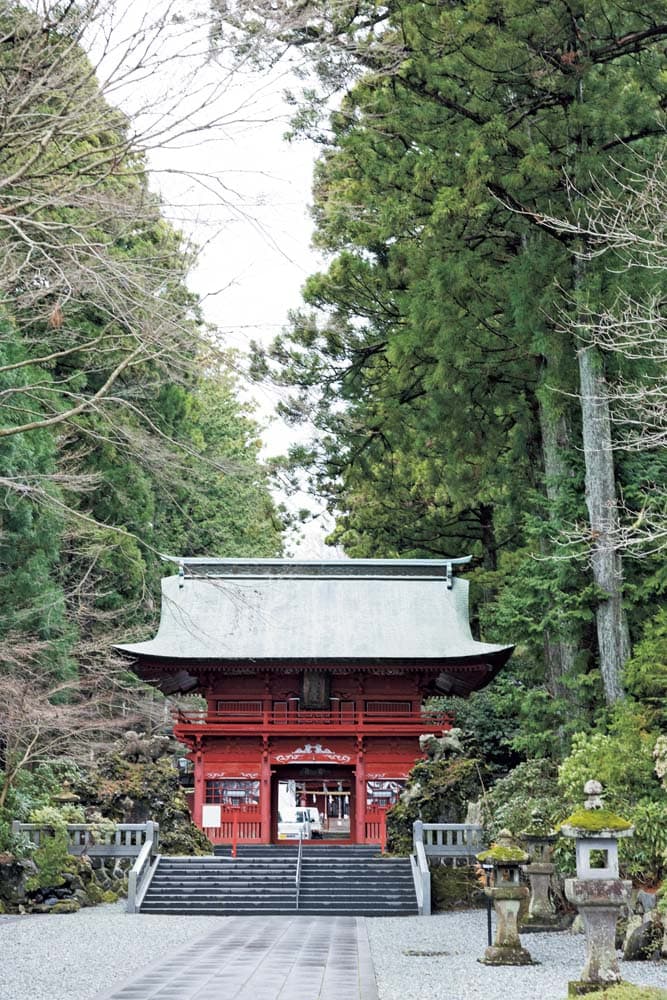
(229, 181)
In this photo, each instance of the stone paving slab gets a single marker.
(263, 958)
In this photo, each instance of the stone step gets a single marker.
(220, 909)
(182, 892)
(309, 847)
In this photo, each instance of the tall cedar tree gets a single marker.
(451, 300)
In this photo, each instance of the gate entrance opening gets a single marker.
(326, 795)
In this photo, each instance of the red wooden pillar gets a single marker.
(267, 702)
(199, 785)
(360, 795)
(265, 794)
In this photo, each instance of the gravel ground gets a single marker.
(77, 956)
(457, 975)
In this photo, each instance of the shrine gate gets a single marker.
(314, 675)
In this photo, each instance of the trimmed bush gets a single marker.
(455, 888)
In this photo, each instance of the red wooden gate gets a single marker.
(376, 827)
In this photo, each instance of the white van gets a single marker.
(294, 824)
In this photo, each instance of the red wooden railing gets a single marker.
(238, 825)
(416, 721)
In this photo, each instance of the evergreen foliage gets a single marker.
(122, 434)
(483, 355)
(444, 349)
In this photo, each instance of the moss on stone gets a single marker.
(626, 991)
(95, 893)
(135, 791)
(596, 820)
(65, 906)
(539, 831)
(500, 854)
(110, 897)
(437, 792)
(509, 890)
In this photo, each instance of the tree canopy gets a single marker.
(122, 433)
(462, 402)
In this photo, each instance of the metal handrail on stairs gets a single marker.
(297, 878)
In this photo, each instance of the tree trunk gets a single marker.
(612, 627)
(486, 512)
(560, 646)
(5, 787)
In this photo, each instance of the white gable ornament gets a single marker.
(312, 753)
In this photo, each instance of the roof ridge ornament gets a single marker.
(423, 569)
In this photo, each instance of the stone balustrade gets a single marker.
(124, 840)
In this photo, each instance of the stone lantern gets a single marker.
(66, 797)
(507, 894)
(540, 840)
(597, 891)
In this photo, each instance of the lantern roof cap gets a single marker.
(505, 852)
(594, 820)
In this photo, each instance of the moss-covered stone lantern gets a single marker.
(66, 797)
(597, 891)
(540, 839)
(507, 894)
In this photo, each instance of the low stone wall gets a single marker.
(85, 883)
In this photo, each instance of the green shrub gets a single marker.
(531, 786)
(32, 790)
(455, 888)
(487, 727)
(643, 855)
(645, 674)
(621, 759)
(52, 860)
(57, 817)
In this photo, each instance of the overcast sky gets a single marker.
(236, 188)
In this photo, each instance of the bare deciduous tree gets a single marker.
(42, 720)
(624, 223)
(88, 269)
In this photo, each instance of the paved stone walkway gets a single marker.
(263, 958)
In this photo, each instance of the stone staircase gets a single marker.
(336, 880)
(357, 881)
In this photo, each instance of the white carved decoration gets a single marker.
(232, 775)
(314, 752)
